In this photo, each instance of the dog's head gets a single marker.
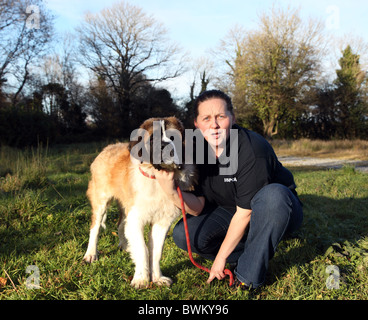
(159, 142)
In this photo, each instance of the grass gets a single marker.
(45, 218)
(342, 149)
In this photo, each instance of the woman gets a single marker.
(238, 218)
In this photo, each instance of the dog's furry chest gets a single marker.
(152, 203)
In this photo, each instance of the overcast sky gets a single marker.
(199, 25)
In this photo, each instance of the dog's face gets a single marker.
(159, 142)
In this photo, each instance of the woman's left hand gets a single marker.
(217, 269)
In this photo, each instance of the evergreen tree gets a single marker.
(350, 104)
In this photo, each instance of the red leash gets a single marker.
(226, 271)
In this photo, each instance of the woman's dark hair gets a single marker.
(211, 94)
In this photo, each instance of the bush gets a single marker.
(20, 128)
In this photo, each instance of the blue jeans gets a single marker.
(276, 211)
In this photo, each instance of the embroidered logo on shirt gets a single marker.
(230, 179)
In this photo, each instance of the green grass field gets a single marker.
(45, 219)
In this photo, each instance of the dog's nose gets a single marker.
(164, 144)
(168, 151)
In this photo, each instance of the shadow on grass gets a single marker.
(326, 222)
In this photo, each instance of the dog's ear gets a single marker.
(133, 143)
(145, 128)
(174, 123)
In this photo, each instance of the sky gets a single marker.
(198, 25)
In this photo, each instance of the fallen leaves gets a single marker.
(3, 282)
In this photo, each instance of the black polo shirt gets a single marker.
(257, 166)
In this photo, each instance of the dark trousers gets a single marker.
(276, 211)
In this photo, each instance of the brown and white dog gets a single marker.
(116, 174)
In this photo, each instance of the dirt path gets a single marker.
(325, 163)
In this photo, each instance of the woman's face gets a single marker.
(214, 121)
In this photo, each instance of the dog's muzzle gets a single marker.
(169, 156)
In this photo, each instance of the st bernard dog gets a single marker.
(129, 179)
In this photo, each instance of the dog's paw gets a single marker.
(140, 283)
(89, 258)
(163, 281)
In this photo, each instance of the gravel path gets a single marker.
(325, 163)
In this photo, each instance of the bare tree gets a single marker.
(225, 57)
(126, 47)
(202, 72)
(25, 31)
(61, 68)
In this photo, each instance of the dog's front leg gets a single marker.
(156, 244)
(134, 229)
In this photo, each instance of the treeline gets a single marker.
(52, 116)
(105, 77)
(337, 110)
